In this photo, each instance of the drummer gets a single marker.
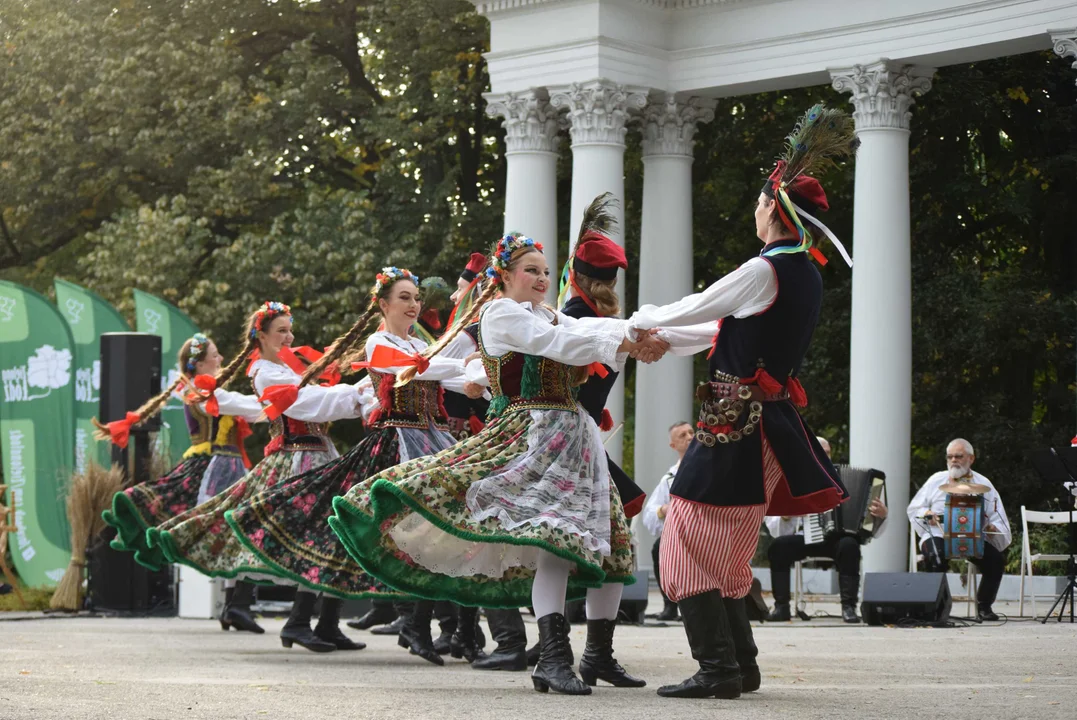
(926, 512)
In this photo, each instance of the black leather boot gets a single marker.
(226, 625)
(237, 609)
(598, 662)
(554, 667)
(415, 634)
(507, 629)
(849, 587)
(780, 586)
(709, 636)
(297, 628)
(380, 613)
(740, 627)
(535, 650)
(669, 612)
(446, 613)
(403, 612)
(465, 641)
(328, 627)
(754, 603)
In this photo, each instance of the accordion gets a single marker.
(852, 517)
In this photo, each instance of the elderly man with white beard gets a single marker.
(926, 512)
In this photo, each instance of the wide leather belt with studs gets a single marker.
(730, 411)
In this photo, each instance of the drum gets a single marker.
(963, 527)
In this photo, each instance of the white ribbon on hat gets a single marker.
(837, 243)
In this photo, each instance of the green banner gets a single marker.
(88, 316)
(37, 429)
(155, 316)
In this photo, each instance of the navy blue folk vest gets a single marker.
(775, 340)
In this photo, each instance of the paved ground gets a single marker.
(170, 668)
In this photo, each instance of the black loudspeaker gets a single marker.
(892, 597)
(130, 375)
(118, 584)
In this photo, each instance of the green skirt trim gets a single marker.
(162, 539)
(282, 572)
(131, 530)
(363, 538)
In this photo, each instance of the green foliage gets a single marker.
(222, 153)
(218, 154)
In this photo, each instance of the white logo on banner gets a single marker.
(74, 310)
(7, 309)
(47, 369)
(153, 319)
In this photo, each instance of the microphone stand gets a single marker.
(1051, 460)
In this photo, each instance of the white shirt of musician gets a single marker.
(778, 526)
(932, 499)
(657, 499)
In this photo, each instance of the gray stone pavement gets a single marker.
(90, 667)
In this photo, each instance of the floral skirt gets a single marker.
(285, 526)
(143, 506)
(468, 524)
(200, 538)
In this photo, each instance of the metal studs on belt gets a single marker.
(722, 438)
(712, 419)
(705, 438)
(735, 436)
(756, 407)
(744, 393)
(724, 404)
(748, 429)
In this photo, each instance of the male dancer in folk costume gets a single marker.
(753, 454)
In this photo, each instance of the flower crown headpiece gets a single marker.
(502, 256)
(390, 275)
(266, 313)
(199, 345)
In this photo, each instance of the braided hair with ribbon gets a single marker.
(193, 351)
(383, 285)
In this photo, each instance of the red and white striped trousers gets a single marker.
(707, 547)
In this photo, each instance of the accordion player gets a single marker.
(837, 535)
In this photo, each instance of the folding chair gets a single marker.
(1027, 557)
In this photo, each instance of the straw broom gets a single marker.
(90, 494)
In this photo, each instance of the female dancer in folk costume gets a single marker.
(522, 512)
(753, 455)
(217, 421)
(466, 413)
(201, 538)
(284, 526)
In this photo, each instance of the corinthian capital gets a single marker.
(1065, 43)
(883, 92)
(598, 110)
(530, 121)
(669, 127)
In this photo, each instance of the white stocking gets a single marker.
(551, 584)
(604, 601)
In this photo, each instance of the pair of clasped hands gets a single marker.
(648, 348)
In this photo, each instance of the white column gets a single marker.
(531, 142)
(1065, 42)
(597, 113)
(880, 364)
(664, 389)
